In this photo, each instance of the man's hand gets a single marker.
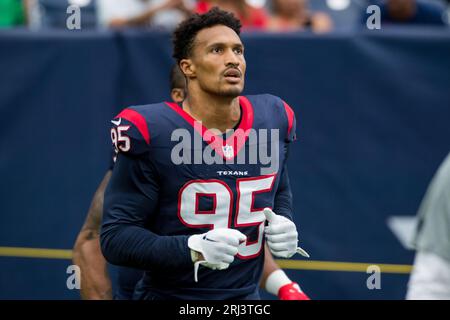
(292, 291)
(282, 236)
(218, 247)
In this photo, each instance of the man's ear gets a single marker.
(177, 95)
(188, 68)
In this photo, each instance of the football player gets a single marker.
(189, 201)
(96, 282)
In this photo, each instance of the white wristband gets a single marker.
(276, 280)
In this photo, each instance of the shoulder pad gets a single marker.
(130, 133)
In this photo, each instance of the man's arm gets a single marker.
(274, 280)
(283, 206)
(269, 266)
(130, 201)
(95, 282)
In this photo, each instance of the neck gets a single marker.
(215, 112)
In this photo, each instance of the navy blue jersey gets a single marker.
(173, 179)
(124, 281)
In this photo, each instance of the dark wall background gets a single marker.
(373, 112)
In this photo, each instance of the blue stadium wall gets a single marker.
(373, 112)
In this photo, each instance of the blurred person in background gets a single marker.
(294, 15)
(142, 13)
(418, 12)
(251, 18)
(430, 278)
(12, 13)
(95, 280)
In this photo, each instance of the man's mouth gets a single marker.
(232, 75)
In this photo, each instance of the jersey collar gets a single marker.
(236, 141)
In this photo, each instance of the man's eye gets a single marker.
(217, 50)
(238, 51)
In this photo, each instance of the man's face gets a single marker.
(217, 62)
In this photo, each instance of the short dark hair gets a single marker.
(177, 80)
(184, 35)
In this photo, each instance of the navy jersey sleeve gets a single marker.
(283, 199)
(130, 202)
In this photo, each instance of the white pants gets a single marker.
(430, 278)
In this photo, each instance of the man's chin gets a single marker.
(231, 92)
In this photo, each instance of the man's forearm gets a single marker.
(136, 247)
(95, 282)
(128, 206)
(269, 266)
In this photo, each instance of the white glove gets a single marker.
(218, 247)
(282, 236)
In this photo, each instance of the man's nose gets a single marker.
(231, 58)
